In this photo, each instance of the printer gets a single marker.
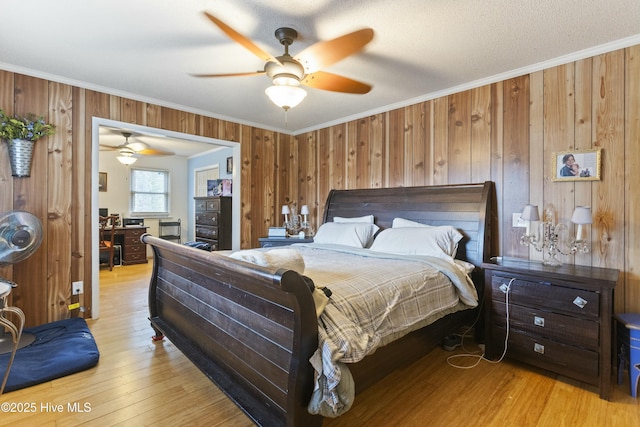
(133, 221)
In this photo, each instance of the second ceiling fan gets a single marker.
(130, 151)
(289, 72)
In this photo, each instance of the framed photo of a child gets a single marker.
(577, 165)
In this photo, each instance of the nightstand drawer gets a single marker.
(575, 362)
(550, 296)
(567, 329)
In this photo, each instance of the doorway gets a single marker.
(96, 124)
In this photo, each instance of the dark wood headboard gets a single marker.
(464, 206)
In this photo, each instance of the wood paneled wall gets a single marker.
(506, 132)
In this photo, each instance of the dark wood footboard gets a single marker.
(249, 329)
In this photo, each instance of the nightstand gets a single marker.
(560, 318)
(270, 242)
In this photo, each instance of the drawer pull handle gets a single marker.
(580, 302)
(504, 288)
(538, 321)
(538, 348)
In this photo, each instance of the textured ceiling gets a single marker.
(147, 49)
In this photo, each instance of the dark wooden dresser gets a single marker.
(560, 318)
(213, 221)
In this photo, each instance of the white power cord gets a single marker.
(480, 357)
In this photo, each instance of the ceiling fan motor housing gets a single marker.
(286, 36)
(290, 73)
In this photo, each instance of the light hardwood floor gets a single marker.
(140, 382)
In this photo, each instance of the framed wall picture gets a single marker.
(229, 164)
(577, 165)
(102, 181)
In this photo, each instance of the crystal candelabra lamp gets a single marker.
(549, 239)
(296, 223)
(306, 225)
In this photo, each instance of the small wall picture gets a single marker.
(219, 187)
(102, 181)
(578, 165)
(229, 164)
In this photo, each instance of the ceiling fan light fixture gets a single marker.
(126, 160)
(126, 156)
(286, 80)
(285, 96)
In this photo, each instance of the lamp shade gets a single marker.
(304, 210)
(530, 213)
(285, 210)
(582, 215)
(285, 96)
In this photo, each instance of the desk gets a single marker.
(133, 250)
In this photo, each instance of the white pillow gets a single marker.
(441, 242)
(467, 267)
(367, 218)
(356, 234)
(402, 223)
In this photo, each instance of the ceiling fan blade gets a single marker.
(324, 54)
(250, 73)
(154, 152)
(239, 38)
(333, 82)
(107, 148)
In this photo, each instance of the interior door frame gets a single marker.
(96, 122)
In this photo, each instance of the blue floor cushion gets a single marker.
(60, 348)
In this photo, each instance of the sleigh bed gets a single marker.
(253, 330)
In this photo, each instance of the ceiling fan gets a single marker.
(289, 72)
(130, 151)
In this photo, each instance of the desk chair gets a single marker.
(107, 236)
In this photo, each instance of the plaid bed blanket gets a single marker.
(376, 298)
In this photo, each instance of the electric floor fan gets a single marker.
(20, 236)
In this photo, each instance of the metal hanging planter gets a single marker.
(20, 155)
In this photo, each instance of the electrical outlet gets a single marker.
(518, 221)
(77, 287)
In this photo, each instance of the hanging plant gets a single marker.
(21, 134)
(28, 128)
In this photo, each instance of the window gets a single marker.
(149, 192)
